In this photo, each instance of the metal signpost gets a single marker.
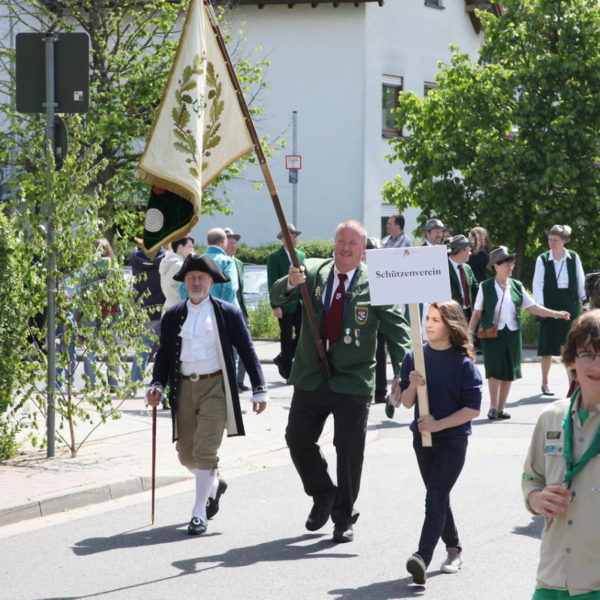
(52, 75)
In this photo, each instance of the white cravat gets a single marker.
(199, 352)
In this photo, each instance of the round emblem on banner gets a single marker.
(154, 220)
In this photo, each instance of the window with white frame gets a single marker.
(390, 89)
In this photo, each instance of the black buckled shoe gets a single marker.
(197, 526)
(212, 504)
(343, 534)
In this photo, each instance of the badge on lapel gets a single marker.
(361, 315)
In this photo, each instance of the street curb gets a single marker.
(80, 496)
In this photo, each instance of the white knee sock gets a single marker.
(214, 488)
(204, 484)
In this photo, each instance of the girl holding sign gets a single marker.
(454, 390)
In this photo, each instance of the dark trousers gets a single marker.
(440, 465)
(289, 330)
(308, 413)
(380, 368)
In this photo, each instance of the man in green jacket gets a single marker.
(289, 316)
(463, 283)
(339, 289)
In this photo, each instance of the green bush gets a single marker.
(262, 323)
(13, 326)
(316, 248)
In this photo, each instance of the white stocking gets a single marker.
(204, 483)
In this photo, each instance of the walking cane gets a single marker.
(153, 460)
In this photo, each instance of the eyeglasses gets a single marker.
(587, 358)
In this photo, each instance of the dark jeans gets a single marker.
(308, 413)
(440, 466)
(289, 330)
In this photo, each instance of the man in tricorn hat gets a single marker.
(195, 359)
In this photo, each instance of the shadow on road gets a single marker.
(135, 539)
(294, 548)
(534, 529)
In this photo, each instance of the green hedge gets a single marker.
(258, 255)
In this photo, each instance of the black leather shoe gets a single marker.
(390, 409)
(343, 534)
(319, 514)
(278, 360)
(242, 388)
(212, 504)
(197, 526)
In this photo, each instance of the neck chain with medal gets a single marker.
(593, 449)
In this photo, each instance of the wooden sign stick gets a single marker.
(417, 344)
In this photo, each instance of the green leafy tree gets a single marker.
(132, 46)
(511, 142)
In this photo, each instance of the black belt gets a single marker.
(196, 377)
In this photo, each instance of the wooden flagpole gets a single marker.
(312, 320)
(417, 344)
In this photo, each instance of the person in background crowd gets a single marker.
(232, 242)
(396, 237)
(497, 306)
(339, 289)
(558, 283)
(463, 284)
(454, 391)
(147, 285)
(195, 359)
(481, 245)
(562, 471)
(447, 235)
(170, 264)
(434, 232)
(217, 245)
(289, 317)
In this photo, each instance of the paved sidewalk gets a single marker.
(116, 460)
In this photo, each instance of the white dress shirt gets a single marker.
(561, 274)
(505, 311)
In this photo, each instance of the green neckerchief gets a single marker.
(594, 447)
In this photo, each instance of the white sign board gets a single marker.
(293, 161)
(408, 275)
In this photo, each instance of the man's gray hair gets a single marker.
(216, 237)
(356, 225)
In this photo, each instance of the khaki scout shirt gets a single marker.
(570, 550)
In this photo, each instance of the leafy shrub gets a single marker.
(262, 323)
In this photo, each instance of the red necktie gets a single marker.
(463, 284)
(333, 321)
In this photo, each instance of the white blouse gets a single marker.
(505, 312)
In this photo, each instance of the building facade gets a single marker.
(339, 66)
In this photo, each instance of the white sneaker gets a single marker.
(415, 565)
(452, 563)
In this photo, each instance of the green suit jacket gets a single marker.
(353, 365)
(239, 265)
(278, 265)
(456, 288)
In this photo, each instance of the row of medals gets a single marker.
(348, 337)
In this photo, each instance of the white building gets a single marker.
(333, 62)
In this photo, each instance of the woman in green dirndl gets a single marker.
(498, 303)
(558, 283)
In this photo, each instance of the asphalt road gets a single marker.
(257, 547)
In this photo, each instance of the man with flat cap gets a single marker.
(289, 316)
(434, 232)
(463, 283)
(339, 292)
(195, 359)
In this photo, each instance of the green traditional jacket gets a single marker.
(278, 265)
(239, 265)
(551, 297)
(353, 364)
(490, 299)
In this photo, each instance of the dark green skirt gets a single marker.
(502, 355)
(553, 332)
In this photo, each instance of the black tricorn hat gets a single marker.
(201, 262)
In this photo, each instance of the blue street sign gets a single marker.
(293, 175)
